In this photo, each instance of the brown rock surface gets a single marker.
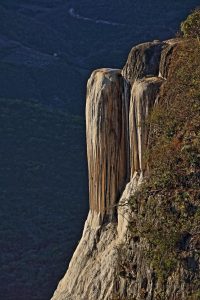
(143, 96)
(166, 56)
(143, 61)
(117, 110)
(106, 131)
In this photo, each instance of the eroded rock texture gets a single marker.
(143, 61)
(143, 96)
(117, 110)
(91, 271)
(107, 138)
(166, 56)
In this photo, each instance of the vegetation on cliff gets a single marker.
(166, 209)
(152, 251)
(191, 26)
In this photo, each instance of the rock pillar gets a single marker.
(107, 139)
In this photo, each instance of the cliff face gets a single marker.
(144, 93)
(117, 109)
(107, 139)
(108, 262)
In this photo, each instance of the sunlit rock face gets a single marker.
(143, 61)
(143, 96)
(117, 112)
(141, 72)
(91, 272)
(107, 139)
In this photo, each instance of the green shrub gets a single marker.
(191, 26)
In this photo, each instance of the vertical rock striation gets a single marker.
(166, 56)
(107, 139)
(117, 110)
(143, 96)
(141, 71)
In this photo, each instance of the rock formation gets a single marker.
(165, 58)
(107, 139)
(117, 111)
(143, 97)
(143, 61)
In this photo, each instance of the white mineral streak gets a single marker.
(91, 273)
(117, 138)
(143, 96)
(107, 139)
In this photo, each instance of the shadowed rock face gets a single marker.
(106, 131)
(166, 55)
(143, 96)
(143, 61)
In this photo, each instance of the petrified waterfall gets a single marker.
(116, 135)
(117, 111)
(107, 144)
(143, 96)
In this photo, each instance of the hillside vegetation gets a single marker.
(167, 205)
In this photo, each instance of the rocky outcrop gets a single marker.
(107, 139)
(166, 56)
(117, 111)
(143, 61)
(91, 272)
(144, 93)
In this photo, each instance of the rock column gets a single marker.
(143, 97)
(107, 139)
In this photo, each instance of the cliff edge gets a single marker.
(120, 255)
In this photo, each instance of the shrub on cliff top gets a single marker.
(191, 26)
(167, 205)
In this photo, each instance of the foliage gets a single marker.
(166, 207)
(191, 26)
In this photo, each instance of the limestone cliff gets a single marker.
(108, 262)
(107, 139)
(144, 93)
